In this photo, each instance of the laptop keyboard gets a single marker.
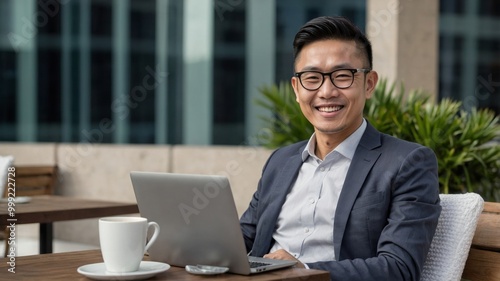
(254, 264)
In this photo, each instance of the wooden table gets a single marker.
(63, 266)
(47, 209)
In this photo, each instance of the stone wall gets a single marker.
(101, 172)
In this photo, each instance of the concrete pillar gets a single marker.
(23, 40)
(198, 72)
(84, 77)
(161, 54)
(261, 61)
(121, 62)
(405, 37)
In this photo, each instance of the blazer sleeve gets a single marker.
(250, 218)
(259, 220)
(413, 194)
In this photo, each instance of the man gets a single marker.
(350, 200)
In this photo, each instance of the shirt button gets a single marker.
(311, 200)
(306, 230)
(321, 169)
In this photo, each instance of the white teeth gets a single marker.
(329, 108)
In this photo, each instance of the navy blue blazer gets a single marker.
(386, 216)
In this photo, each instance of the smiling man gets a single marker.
(350, 200)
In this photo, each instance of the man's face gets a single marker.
(333, 111)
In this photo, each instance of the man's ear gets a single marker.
(295, 84)
(371, 83)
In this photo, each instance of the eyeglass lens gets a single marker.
(312, 80)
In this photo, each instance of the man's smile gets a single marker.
(329, 108)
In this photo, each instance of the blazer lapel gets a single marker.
(363, 160)
(275, 200)
(285, 180)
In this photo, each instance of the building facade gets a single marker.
(189, 71)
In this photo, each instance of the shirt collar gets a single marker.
(346, 148)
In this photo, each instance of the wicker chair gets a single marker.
(452, 240)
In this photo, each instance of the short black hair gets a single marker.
(324, 28)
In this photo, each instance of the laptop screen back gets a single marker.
(197, 217)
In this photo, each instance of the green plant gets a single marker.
(465, 143)
(287, 122)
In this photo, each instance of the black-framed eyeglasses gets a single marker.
(341, 78)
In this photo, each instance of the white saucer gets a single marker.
(16, 200)
(147, 269)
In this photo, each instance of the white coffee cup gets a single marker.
(123, 242)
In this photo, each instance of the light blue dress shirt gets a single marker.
(305, 224)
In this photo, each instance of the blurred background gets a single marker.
(99, 88)
(188, 72)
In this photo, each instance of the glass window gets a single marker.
(487, 90)
(142, 97)
(292, 14)
(469, 54)
(456, 7)
(142, 63)
(175, 70)
(49, 74)
(49, 95)
(8, 80)
(63, 115)
(229, 77)
(142, 20)
(101, 15)
(100, 90)
(489, 8)
(450, 65)
(469, 64)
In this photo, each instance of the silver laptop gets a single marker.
(198, 221)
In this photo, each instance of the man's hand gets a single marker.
(283, 255)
